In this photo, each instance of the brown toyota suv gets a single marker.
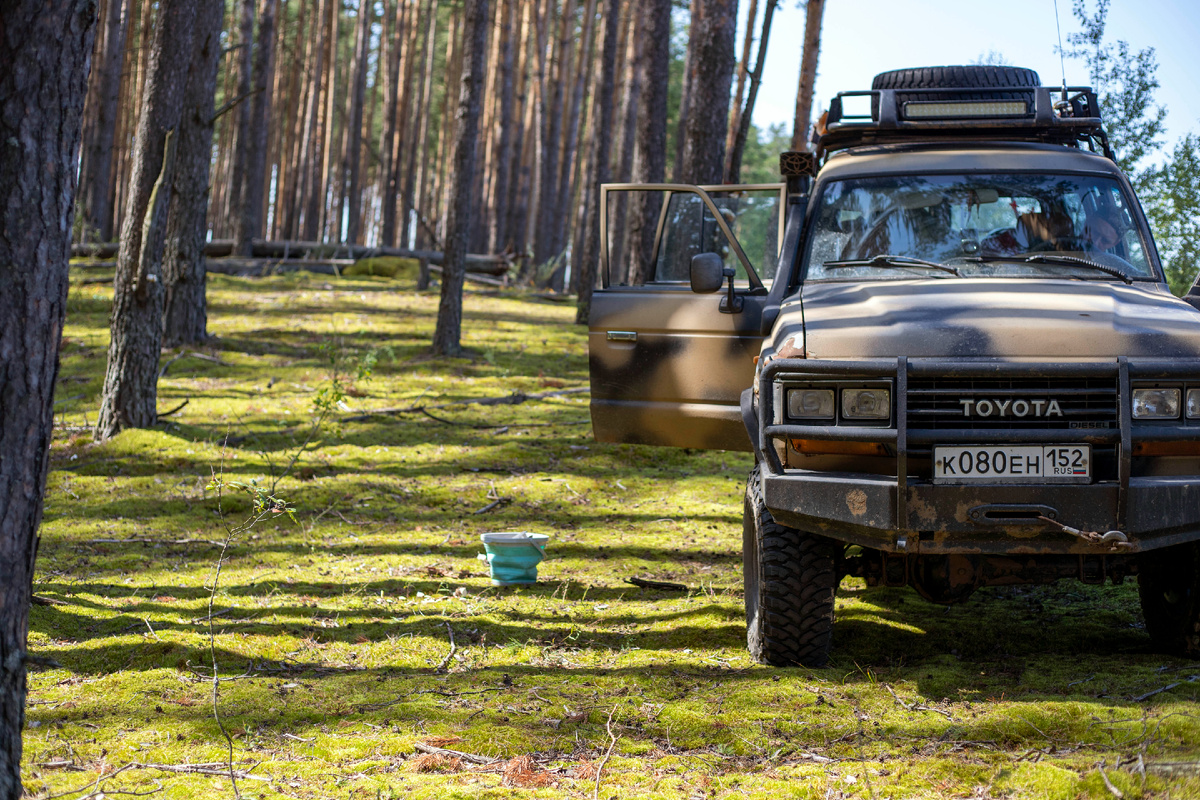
(947, 339)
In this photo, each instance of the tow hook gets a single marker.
(1114, 540)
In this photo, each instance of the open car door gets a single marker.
(668, 365)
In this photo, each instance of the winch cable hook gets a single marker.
(1116, 540)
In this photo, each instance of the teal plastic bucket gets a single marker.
(514, 556)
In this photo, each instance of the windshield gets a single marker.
(999, 225)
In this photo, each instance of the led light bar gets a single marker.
(958, 109)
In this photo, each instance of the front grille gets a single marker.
(937, 403)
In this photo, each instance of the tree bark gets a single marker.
(497, 233)
(248, 222)
(650, 157)
(330, 87)
(685, 94)
(185, 313)
(739, 94)
(808, 73)
(96, 173)
(130, 384)
(551, 125)
(45, 49)
(602, 112)
(241, 142)
(288, 218)
(574, 113)
(627, 125)
(713, 31)
(733, 174)
(447, 335)
(416, 139)
(314, 128)
(517, 200)
(352, 141)
(423, 134)
(389, 145)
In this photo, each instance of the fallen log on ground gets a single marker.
(257, 267)
(296, 250)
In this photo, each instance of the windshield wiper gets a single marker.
(1057, 260)
(886, 260)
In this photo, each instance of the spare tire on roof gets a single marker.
(980, 76)
(973, 76)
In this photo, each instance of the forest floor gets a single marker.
(361, 625)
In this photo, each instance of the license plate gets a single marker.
(1050, 462)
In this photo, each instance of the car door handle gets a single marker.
(622, 336)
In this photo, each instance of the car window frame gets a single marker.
(702, 191)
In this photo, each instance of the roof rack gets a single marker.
(1022, 113)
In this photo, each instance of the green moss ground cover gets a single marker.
(333, 628)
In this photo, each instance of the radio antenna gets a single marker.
(1063, 106)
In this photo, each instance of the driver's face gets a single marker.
(1102, 234)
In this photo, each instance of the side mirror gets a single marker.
(707, 273)
(1192, 298)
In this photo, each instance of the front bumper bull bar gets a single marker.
(901, 513)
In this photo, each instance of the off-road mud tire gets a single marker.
(982, 76)
(790, 580)
(1169, 587)
(976, 76)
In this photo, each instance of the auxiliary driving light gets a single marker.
(810, 403)
(1156, 403)
(952, 109)
(866, 403)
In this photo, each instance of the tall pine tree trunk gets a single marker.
(96, 190)
(650, 156)
(685, 95)
(602, 112)
(352, 142)
(248, 222)
(550, 105)
(314, 139)
(504, 120)
(45, 49)
(185, 313)
(389, 145)
(627, 126)
(713, 30)
(415, 140)
(739, 94)
(241, 142)
(574, 113)
(131, 380)
(808, 73)
(422, 203)
(448, 334)
(733, 174)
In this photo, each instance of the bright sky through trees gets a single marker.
(863, 37)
